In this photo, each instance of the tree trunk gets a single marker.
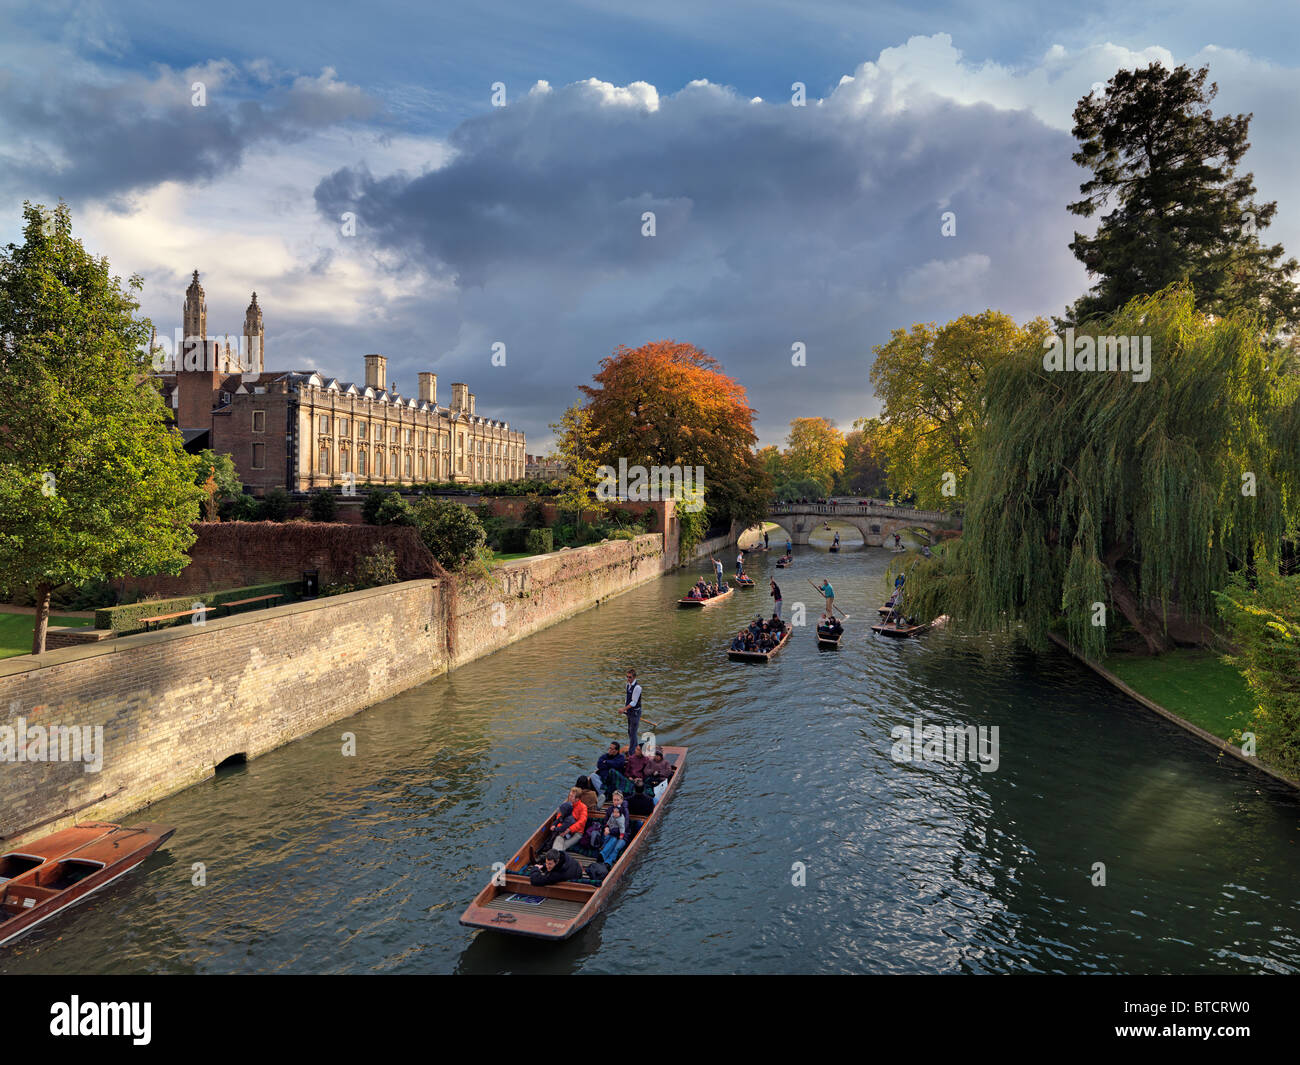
(42, 618)
(1149, 629)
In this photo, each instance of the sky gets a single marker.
(432, 181)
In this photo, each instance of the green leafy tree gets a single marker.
(864, 468)
(1263, 618)
(451, 531)
(275, 504)
(322, 505)
(814, 452)
(221, 467)
(1093, 493)
(578, 443)
(93, 484)
(1164, 170)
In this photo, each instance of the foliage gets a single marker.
(864, 461)
(692, 527)
(534, 515)
(1263, 619)
(275, 504)
(791, 491)
(539, 541)
(669, 404)
(126, 619)
(374, 500)
(579, 445)
(242, 508)
(221, 466)
(814, 452)
(452, 532)
(1092, 488)
(1180, 212)
(929, 381)
(394, 510)
(322, 505)
(93, 484)
(377, 568)
(772, 462)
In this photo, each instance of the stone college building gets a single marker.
(299, 430)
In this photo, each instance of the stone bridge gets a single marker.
(876, 521)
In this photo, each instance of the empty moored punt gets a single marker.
(42, 878)
(899, 627)
(511, 903)
(828, 638)
(706, 602)
(760, 656)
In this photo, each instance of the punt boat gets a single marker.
(511, 903)
(899, 628)
(833, 548)
(44, 877)
(744, 582)
(760, 656)
(781, 563)
(687, 602)
(827, 638)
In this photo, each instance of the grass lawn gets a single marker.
(1196, 685)
(16, 632)
(510, 556)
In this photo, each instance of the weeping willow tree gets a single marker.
(1094, 492)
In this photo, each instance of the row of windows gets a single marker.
(408, 467)
(409, 436)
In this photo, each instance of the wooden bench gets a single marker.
(254, 599)
(167, 617)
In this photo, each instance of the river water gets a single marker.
(318, 862)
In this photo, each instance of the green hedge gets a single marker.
(539, 541)
(124, 620)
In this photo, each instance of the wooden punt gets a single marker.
(829, 639)
(706, 602)
(760, 656)
(45, 877)
(833, 548)
(744, 582)
(510, 903)
(781, 563)
(899, 629)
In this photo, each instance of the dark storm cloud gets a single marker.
(775, 224)
(90, 139)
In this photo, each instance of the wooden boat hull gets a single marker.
(573, 905)
(899, 633)
(833, 550)
(761, 656)
(745, 582)
(73, 864)
(705, 602)
(829, 640)
(782, 564)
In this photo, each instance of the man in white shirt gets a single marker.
(632, 710)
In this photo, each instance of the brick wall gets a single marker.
(174, 704)
(237, 553)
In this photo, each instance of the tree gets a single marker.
(772, 462)
(864, 465)
(93, 484)
(451, 531)
(1179, 211)
(669, 404)
(1263, 618)
(1094, 495)
(222, 469)
(578, 443)
(929, 382)
(814, 451)
(322, 505)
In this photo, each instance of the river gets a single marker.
(314, 861)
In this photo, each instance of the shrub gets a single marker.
(394, 510)
(242, 507)
(378, 567)
(322, 505)
(539, 541)
(126, 619)
(452, 532)
(370, 508)
(275, 504)
(534, 516)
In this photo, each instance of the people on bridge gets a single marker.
(632, 711)
(556, 867)
(776, 596)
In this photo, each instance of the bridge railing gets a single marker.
(880, 510)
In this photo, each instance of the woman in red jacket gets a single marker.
(569, 828)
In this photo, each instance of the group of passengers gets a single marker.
(580, 822)
(760, 636)
(830, 625)
(703, 589)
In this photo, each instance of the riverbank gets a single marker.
(1169, 683)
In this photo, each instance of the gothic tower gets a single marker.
(254, 339)
(195, 315)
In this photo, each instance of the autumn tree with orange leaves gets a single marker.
(670, 404)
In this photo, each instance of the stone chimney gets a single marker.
(471, 403)
(376, 372)
(428, 388)
(460, 397)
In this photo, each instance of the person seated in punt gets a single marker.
(615, 833)
(556, 867)
(636, 764)
(829, 625)
(587, 794)
(738, 644)
(608, 766)
(659, 769)
(569, 821)
(776, 624)
(640, 803)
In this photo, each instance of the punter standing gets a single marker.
(740, 564)
(776, 595)
(632, 710)
(829, 592)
